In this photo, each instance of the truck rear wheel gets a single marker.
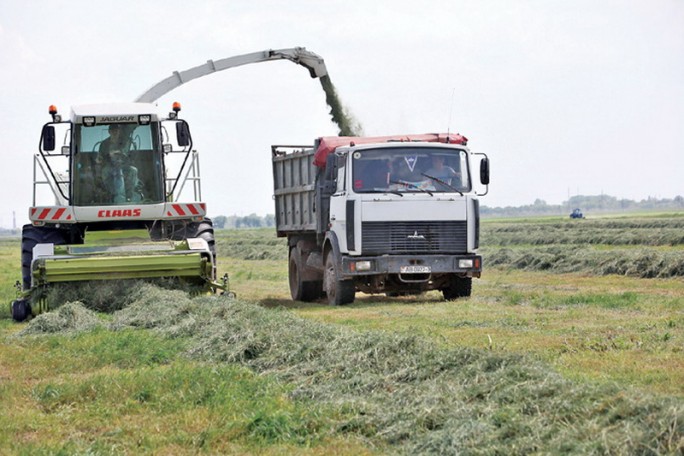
(459, 287)
(301, 290)
(30, 237)
(339, 292)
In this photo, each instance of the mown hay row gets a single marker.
(409, 393)
(643, 263)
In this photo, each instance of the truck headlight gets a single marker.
(365, 265)
(465, 263)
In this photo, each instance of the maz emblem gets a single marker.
(415, 235)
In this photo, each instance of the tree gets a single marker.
(220, 221)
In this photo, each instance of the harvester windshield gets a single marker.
(413, 170)
(116, 164)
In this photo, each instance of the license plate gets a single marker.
(413, 269)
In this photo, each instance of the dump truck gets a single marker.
(114, 177)
(394, 214)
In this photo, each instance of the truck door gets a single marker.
(338, 204)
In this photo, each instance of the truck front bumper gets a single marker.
(466, 265)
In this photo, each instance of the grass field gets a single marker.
(573, 342)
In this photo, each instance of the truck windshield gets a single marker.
(410, 170)
(116, 164)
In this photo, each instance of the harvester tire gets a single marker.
(301, 290)
(30, 236)
(203, 230)
(339, 292)
(21, 310)
(459, 287)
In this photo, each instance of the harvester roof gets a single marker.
(117, 111)
(328, 144)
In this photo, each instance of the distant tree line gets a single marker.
(247, 221)
(587, 204)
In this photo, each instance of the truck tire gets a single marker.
(30, 236)
(301, 290)
(459, 287)
(339, 292)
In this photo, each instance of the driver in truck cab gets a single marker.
(119, 177)
(441, 174)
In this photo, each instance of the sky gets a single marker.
(565, 98)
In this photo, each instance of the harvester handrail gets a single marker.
(54, 184)
(191, 174)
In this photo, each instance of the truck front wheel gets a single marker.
(301, 290)
(339, 292)
(458, 287)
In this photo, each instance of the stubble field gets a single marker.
(573, 342)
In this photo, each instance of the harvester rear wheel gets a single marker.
(30, 236)
(21, 310)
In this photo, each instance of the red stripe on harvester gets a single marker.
(59, 213)
(44, 213)
(192, 209)
(178, 208)
(204, 207)
(33, 210)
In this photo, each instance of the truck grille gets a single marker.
(414, 237)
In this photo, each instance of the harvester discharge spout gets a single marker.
(299, 55)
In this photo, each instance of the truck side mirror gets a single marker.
(182, 134)
(484, 171)
(48, 138)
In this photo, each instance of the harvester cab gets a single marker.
(123, 193)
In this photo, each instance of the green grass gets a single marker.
(133, 391)
(404, 393)
(553, 353)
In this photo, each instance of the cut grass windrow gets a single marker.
(404, 391)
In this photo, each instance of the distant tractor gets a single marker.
(115, 211)
(576, 214)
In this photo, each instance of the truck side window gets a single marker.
(340, 178)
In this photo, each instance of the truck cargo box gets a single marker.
(294, 178)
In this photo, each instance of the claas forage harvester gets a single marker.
(117, 212)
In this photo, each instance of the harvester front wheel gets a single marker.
(204, 229)
(30, 237)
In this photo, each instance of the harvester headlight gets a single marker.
(89, 121)
(465, 263)
(197, 244)
(144, 119)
